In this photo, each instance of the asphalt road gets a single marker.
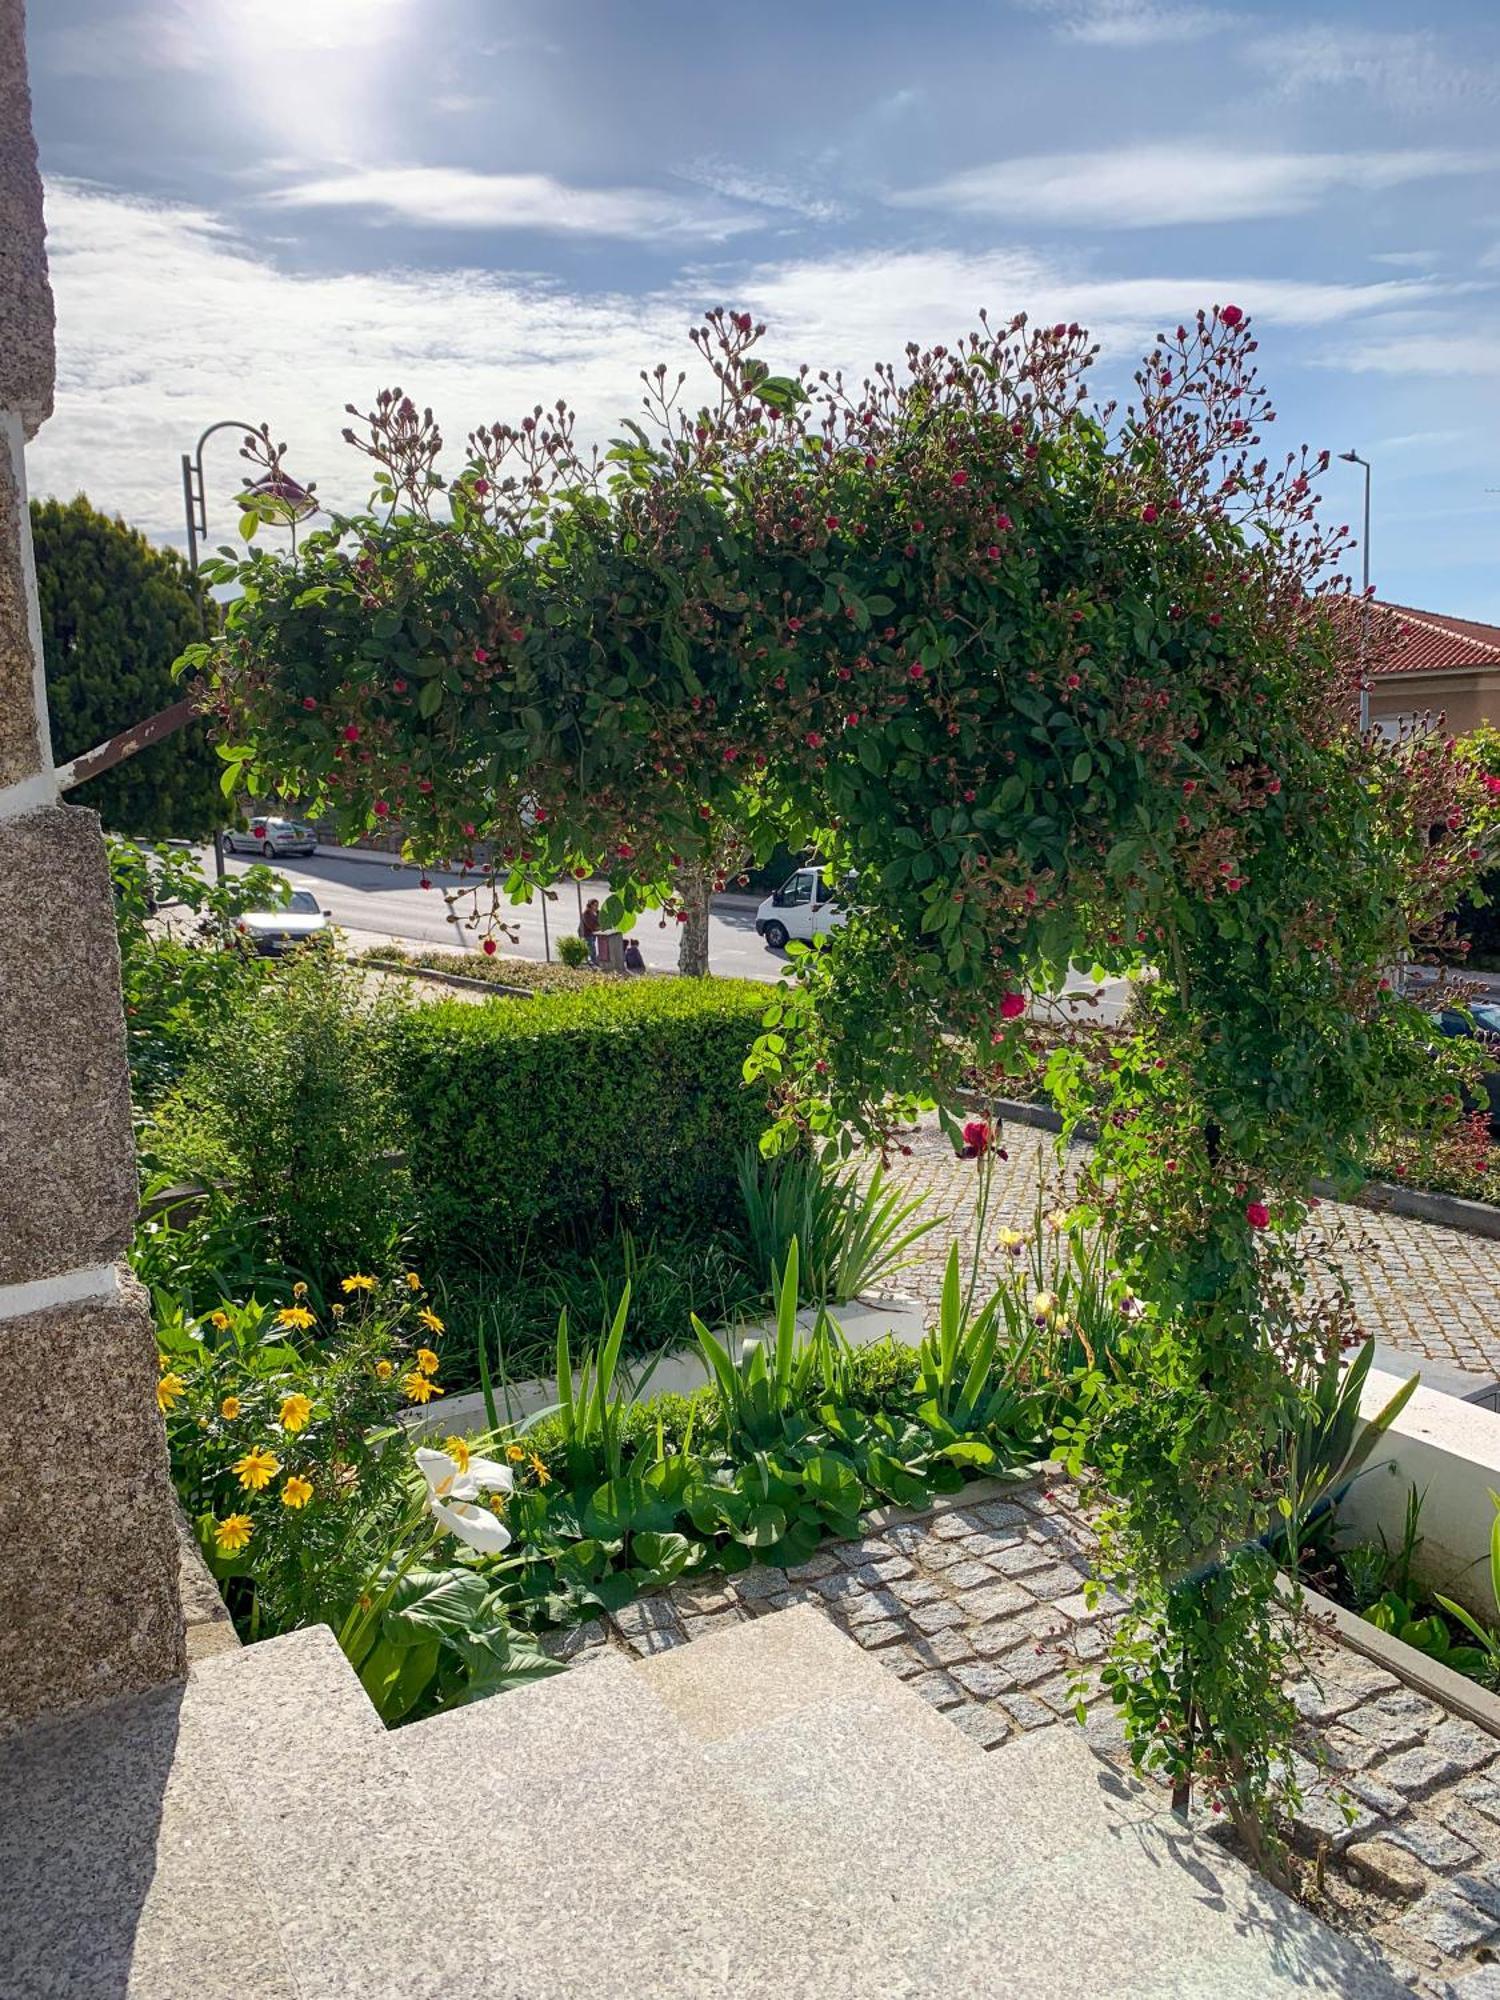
(374, 900)
(381, 900)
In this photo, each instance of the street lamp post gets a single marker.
(195, 511)
(1353, 458)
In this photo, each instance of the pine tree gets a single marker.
(115, 614)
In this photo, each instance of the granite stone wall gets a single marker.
(89, 1597)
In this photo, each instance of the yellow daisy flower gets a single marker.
(358, 1283)
(430, 1320)
(299, 1290)
(168, 1388)
(220, 1320)
(257, 1468)
(413, 1282)
(297, 1317)
(295, 1491)
(543, 1476)
(458, 1451)
(384, 1371)
(427, 1361)
(419, 1388)
(232, 1533)
(295, 1411)
(515, 1453)
(337, 1310)
(229, 1409)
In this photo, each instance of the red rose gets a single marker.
(814, 740)
(424, 883)
(481, 657)
(1257, 1214)
(351, 734)
(381, 808)
(481, 487)
(489, 947)
(959, 479)
(1492, 785)
(831, 523)
(992, 552)
(399, 686)
(625, 851)
(915, 671)
(308, 702)
(1231, 315)
(1012, 1005)
(1149, 514)
(1002, 522)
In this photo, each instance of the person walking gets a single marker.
(589, 928)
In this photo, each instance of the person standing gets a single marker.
(589, 928)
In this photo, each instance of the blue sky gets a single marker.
(272, 209)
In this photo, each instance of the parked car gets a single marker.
(804, 907)
(271, 837)
(301, 921)
(1482, 1021)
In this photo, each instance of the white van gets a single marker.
(803, 907)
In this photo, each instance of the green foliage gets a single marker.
(1053, 686)
(509, 1313)
(115, 614)
(572, 951)
(291, 1107)
(853, 1236)
(183, 970)
(545, 1124)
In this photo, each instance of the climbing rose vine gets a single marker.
(1049, 683)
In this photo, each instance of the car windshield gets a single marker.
(303, 899)
(1486, 1016)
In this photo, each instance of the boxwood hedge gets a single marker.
(549, 1120)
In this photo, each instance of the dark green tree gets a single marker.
(116, 612)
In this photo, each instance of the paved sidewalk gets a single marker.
(1428, 1292)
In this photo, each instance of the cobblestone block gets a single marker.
(987, 1726)
(1467, 1746)
(938, 1688)
(1447, 1921)
(1393, 1870)
(1417, 1772)
(997, 1600)
(937, 1617)
(1026, 1712)
(1434, 1845)
(914, 1590)
(879, 1632)
(967, 1575)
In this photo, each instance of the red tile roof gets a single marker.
(1429, 642)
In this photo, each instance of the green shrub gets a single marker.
(572, 951)
(290, 1108)
(549, 1123)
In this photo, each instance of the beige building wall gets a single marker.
(1467, 697)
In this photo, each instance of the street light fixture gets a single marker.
(1353, 458)
(295, 500)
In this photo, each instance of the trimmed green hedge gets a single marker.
(550, 1122)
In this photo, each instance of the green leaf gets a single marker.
(430, 700)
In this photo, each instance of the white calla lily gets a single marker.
(453, 1487)
(477, 1526)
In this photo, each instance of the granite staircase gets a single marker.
(765, 1811)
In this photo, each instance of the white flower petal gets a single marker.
(490, 1474)
(477, 1526)
(441, 1473)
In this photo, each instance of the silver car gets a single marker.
(301, 921)
(271, 837)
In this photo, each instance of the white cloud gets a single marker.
(460, 198)
(1131, 23)
(1143, 187)
(1407, 71)
(762, 190)
(169, 321)
(1456, 356)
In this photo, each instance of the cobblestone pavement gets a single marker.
(1433, 1293)
(980, 1607)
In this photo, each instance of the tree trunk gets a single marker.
(694, 888)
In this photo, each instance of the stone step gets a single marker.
(763, 1812)
(1034, 1869)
